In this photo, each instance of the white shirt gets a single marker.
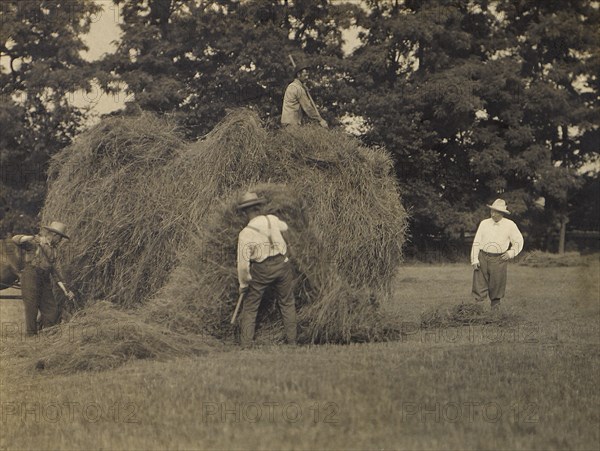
(495, 237)
(259, 240)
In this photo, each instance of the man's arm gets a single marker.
(516, 240)
(58, 277)
(26, 242)
(243, 261)
(476, 246)
(307, 105)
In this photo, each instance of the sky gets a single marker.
(104, 32)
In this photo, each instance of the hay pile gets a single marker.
(174, 219)
(539, 259)
(347, 231)
(201, 294)
(102, 337)
(465, 314)
(111, 188)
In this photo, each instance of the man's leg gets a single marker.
(285, 294)
(49, 307)
(480, 279)
(498, 270)
(251, 303)
(30, 294)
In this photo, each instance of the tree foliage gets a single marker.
(197, 59)
(479, 100)
(41, 63)
(475, 99)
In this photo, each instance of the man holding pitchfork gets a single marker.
(297, 101)
(262, 263)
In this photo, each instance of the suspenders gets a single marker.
(269, 236)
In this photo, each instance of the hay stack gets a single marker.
(110, 187)
(134, 215)
(347, 231)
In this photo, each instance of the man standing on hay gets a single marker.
(297, 101)
(497, 240)
(39, 264)
(262, 263)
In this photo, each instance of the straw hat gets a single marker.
(249, 199)
(57, 227)
(499, 205)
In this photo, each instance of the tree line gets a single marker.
(474, 99)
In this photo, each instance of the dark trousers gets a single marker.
(490, 278)
(275, 272)
(36, 290)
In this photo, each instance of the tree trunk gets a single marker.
(563, 232)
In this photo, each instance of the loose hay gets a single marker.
(134, 217)
(465, 314)
(110, 188)
(101, 337)
(539, 259)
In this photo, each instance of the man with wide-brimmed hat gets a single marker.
(262, 263)
(497, 240)
(39, 265)
(297, 101)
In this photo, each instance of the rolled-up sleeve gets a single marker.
(476, 245)
(283, 227)
(516, 240)
(243, 260)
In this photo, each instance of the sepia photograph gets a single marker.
(299, 225)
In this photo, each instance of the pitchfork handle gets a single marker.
(237, 307)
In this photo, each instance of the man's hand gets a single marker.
(70, 295)
(243, 290)
(323, 123)
(475, 266)
(505, 256)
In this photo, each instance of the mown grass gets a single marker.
(531, 386)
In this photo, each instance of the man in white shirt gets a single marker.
(497, 240)
(297, 101)
(261, 263)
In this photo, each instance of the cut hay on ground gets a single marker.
(466, 314)
(539, 259)
(340, 198)
(101, 337)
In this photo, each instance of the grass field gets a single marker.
(531, 386)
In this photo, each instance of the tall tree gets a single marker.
(558, 45)
(195, 59)
(41, 63)
(478, 100)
